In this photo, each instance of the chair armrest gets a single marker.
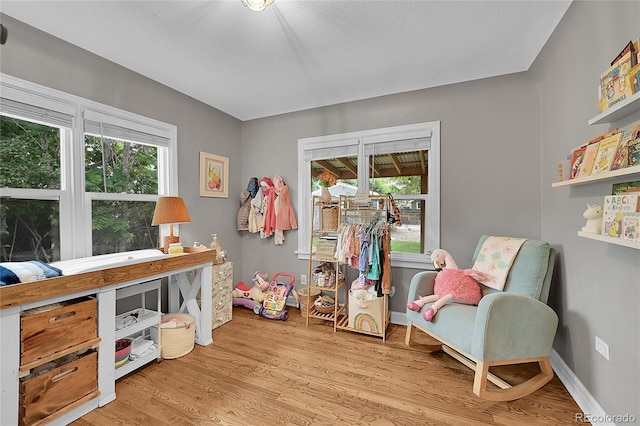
(511, 326)
(421, 285)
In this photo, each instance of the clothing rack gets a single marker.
(371, 316)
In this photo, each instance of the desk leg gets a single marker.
(107, 352)
(182, 286)
(205, 306)
(9, 365)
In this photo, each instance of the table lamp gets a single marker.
(170, 210)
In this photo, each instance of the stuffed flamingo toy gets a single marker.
(452, 284)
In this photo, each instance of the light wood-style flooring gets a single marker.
(269, 372)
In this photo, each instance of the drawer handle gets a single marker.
(64, 374)
(62, 316)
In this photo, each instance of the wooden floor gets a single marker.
(268, 372)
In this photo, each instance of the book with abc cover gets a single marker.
(615, 207)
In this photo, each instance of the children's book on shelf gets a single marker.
(615, 207)
(577, 156)
(614, 85)
(588, 160)
(606, 150)
(626, 188)
(631, 227)
(621, 157)
(628, 48)
(634, 153)
(633, 79)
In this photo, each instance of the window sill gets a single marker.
(398, 260)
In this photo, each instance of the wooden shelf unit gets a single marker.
(325, 229)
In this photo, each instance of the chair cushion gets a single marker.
(453, 324)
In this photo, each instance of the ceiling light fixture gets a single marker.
(257, 5)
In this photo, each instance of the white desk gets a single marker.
(103, 284)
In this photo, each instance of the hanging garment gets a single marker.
(243, 212)
(256, 217)
(269, 225)
(285, 217)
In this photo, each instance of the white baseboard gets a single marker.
(591, 410)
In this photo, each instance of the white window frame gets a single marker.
(75, 203)
(357, 143)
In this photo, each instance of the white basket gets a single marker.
(178, 341)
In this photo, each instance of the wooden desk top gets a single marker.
(19, 294)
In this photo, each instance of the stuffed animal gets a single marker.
(593, 214)
(452, 284)
(255, 293)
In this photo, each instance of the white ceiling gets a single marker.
(301, 54)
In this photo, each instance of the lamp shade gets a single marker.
(170, 210)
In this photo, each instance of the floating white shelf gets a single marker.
(612, 240)
(618, 111)
(601, 176)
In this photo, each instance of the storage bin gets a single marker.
(367, 315)
(53, 328)
(302, 297)
(180, 340)
(329, 218)
(43, 395)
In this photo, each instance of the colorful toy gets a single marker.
(251, 297)
(451, 284)
(274, 305)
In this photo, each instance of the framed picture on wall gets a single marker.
(214, 175)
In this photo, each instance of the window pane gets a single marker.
(403, 174)
(122, 226)
(345, 171)
(29, 154)
(29, 229)
(130, 168)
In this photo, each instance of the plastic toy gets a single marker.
(593, 214)
(251, 297)
(451, 284)
(274, 305)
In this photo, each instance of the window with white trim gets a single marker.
(78, 178)
(420, 206)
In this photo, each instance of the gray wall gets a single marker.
(489, 160)
(501, 140)
(33, 55)
(596, 292)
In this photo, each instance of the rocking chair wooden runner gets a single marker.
(513, 326)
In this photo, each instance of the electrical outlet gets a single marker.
(602, 348)
(303, 279)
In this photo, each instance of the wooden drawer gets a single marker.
(47, 330)
(53, 393)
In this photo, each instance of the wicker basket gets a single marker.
(325, 309)
(178, 341)
(302, 295)
(329, 218)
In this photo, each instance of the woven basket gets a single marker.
(302, 295)
(325, 309)
(329, 218)
(178, 341)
